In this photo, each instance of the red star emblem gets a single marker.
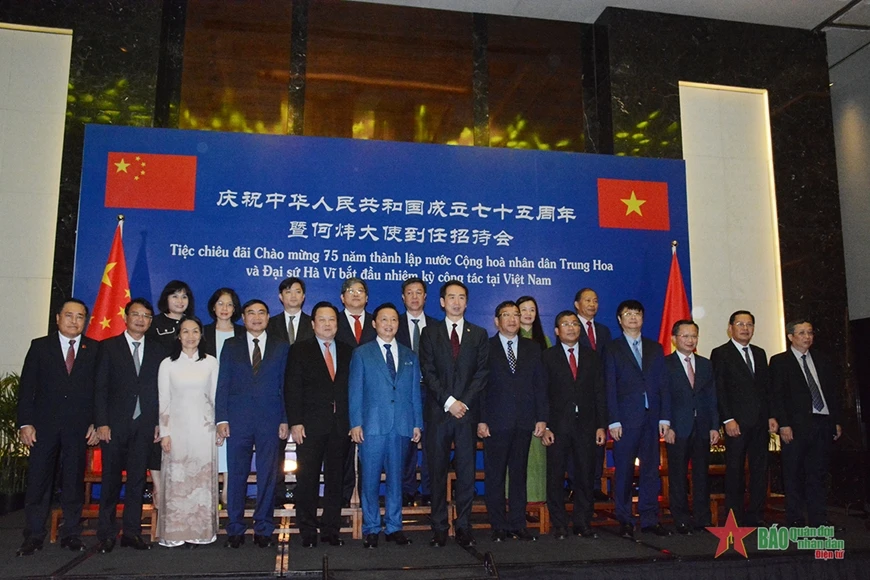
(729, 534)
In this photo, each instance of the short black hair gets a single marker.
(504, 305)
(74, 301)
(564, 314)
(385, 306)
(171, 288)
(453, 282)
(414, 280)
(684, 322)
(581, 291)
(791, 324)
(324, 304)
(253, 301)
(737, 313)
(141, 301)
(630, 304)
(351, 281)
(237, 307)
(288, 283)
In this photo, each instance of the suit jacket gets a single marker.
(586, 393)
(209, 335)
(686, 401)
(380, 404)
(309, 391)
(118, 386)
(462, 379)
(789, 386)
(602, 338)
(514, 400)
(741, 397)
(48, 396)
(403, 335)
(627, 383)
(248, 398)
(302, 325)
(345, 330)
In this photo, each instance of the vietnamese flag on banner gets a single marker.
(676, 304)
(107, 316)
(151, 181)
(635, 205)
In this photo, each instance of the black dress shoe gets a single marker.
(136, 542)
(74, 543)
(29, 547)
(585, 532)
(599, 495)
(523, 535)
(559, 533)
(332, 539)
(499, 536)
(234, 541)
(398, 537)
(263, 541)
(657, 529)
(684, 529)
(106, 546)
(464, 538)
(309, 541)
(370, 542)
(407, 499)
(439, 539)
(426, 499)
(626, 531)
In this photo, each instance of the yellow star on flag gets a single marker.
(105, 323)
(109, 266)
(122, 166)
(121, 312)
(632, 204)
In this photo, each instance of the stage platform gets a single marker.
(607, 557)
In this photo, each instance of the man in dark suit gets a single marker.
(806, 384)
(454, 360)
(385, 411)
(513, 407)
(411, 325)
(291, 324)
(694, 427)
(742, 390)
(638, 403)
(56, 401)
(578, 418)
(315, 397)
(596, 336)
(126, 413)
(250, 401)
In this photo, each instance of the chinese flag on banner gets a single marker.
(635, 205)
(676, 304)
(107, 316)
(151, 181)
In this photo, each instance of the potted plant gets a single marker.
(13, 453)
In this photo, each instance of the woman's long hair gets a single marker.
(537, 329)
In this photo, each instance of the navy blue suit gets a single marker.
(626, 404)
(388, 410)
(253, 404)
(693, 415)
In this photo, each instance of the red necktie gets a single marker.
(70, 357)
(357, 327)
(454, 342)
(591, 334)
(330, 364)
(572, 362)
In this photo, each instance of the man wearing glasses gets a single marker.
(742, 388)
(638, 403)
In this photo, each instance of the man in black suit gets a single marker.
(596, 336)
(513, 407)
(694, 427)
(411, 325)
(126, 415)
(291, 324)
(578, 418)
(56, 401)
(806, 385)
(742, 390)
(315, 396)
(454, 360)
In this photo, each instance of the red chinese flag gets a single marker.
(635, 205)
(676, 304)
(107, 316)
(151, 181)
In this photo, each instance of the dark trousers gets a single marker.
(463, 436)
(351, 477)
(330, 451)
(695, 447)
(600, 452)
(641, 442)
(577, 444)
(68, 443)
(805, 470)
(128, 451)
(506, 452)
(752, 443)
(240, 449)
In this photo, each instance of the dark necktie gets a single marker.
(690, 371)
(391, 363)
(512, 358)
(357, 327)
(572, 362)
(138, 364)
(257, 357)
(415, 340)
(291, 332)
(70, 357)
(815, 392)
(748, 360)
(454, 342)
(591, 334)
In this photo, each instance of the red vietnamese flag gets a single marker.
(151, 181)
(636, 205)
(107, 317)
(676, 304)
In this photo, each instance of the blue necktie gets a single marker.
(635, 348)
(391, 363)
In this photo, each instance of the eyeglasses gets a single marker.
(804, 333)
(354, 292)
(688, 336)
(632, 314)
(140, 315)
(569, 324)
